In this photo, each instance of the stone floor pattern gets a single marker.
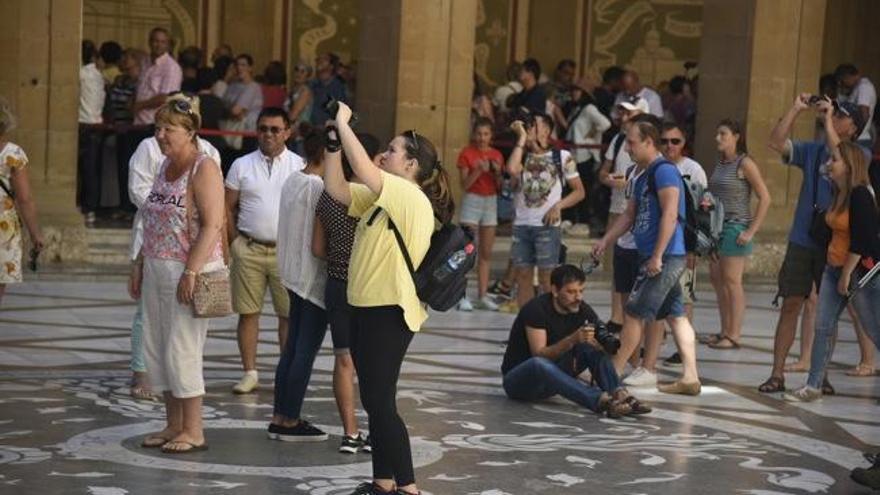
(67, 424)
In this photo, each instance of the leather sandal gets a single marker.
(773, 385)
(724, 343)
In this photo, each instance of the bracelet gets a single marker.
(188, 272)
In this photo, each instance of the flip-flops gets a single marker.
(192, 447)
(153, 442)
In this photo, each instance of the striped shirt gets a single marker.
(730, 185)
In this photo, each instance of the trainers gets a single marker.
(302, 432)
(272, 431)
(368, 488)
(500, 289)
(641, 377)
(803, 394)
(486, 304)
(366, 447)
(247, 384)
(869, 477)
(680, 388)
(465, 305)
(351, 445)
(508, 307)
(673, 360)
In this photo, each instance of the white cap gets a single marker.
(635, 103)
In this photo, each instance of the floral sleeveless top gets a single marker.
(12, 157)
(166, 235)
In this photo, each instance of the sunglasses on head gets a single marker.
(274, 129)
(415, 139)
(182, 106)
(673, 141)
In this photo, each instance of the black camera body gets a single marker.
(331, 106)
(605, 337)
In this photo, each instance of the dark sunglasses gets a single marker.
(274, 129)
(415, 140)
(182, 106)
(675, 141)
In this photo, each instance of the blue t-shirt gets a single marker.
(808, 156)
(320, 91)
(646, 226)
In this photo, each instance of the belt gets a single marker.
(251, 240)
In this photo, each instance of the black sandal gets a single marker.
(773, 385)
(720, 344)
(636, 406)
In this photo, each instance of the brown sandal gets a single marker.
(709, 338)
(720, 343)
(773, 385)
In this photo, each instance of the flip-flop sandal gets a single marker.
(861, 371)
(773, 385)
(710, 338)
(719, 344)
(142, 393)
(192, 447)
(154, 442)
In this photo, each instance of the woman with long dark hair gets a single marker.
(410, 189)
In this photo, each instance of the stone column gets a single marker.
(755, 56)
(415, 71)
(40, 79)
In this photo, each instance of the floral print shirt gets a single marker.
(12, 157)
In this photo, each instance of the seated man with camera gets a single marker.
(555, 337)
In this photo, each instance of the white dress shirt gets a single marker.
(143, 167)
(259, 180)
(91, 94)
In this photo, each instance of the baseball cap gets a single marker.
(851, 110)
(635, 103)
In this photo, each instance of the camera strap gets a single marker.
(7, 189)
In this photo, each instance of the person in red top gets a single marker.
(480, 167)
(274, 85)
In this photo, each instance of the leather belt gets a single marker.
(251, 240)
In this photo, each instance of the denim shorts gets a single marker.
(536, 246)
(658, 297)
(479, 210)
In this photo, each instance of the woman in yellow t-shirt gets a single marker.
(410, 188)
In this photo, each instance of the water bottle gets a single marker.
(453, 262)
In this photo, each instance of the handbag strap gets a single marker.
(190, 200)
(816, 186)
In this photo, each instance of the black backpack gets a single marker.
(702, 226)
(440, 279)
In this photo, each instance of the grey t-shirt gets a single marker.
(248, 96)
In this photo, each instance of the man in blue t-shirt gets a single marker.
(326, 85)
(655, 213)
(804, 260)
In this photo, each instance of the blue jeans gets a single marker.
(306, 326)
(137, 339)
(831, 305)
(539, 378)
(660, 296)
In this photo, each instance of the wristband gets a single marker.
(189, 273)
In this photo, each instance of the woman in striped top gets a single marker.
(734, 179)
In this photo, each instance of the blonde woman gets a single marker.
(16, 204)
(175, 250)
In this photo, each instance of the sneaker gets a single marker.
(486, 304)
(465, 305)
(641, 377)
(90, 219)
(673, 360)
(803, 394)
(508, 307)
(827, 389)
(302, 432)
(272, 431)
(500, 289)
(247, 384)
(366, 447)
(351, 445)
(869, 477)
(680, 388)
(368, 488)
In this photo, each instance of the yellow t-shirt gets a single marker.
(378, 275)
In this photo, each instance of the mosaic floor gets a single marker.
(67, 424)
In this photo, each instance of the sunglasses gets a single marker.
(673, 141)
(415, 140)
(182, 106)
(274, 129)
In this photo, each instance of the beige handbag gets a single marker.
(212, 295)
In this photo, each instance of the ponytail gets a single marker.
(431, 176)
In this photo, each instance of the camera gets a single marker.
(523, 114)
(331, 106)
(32, 260)
(605, 337)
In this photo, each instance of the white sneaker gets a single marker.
(247, 384)
(465, 305)
(485, 303)
(803, 394)
(641, 378)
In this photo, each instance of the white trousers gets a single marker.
(174, 340)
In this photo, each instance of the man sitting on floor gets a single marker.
(553, 340)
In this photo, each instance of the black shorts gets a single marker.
(339, 314)
(801, 269)
(626, 269)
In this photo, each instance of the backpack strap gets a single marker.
(618, 145)
(557, 160)
(393, 228)
(652, 185)
(7, 189)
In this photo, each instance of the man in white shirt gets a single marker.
(143, 167)
(91, 103)
(253, 200)
(632, 88)
(91, 86)
(855, 88)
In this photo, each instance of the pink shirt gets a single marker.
(159, 78)
(166, 235)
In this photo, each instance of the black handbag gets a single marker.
(820, 232)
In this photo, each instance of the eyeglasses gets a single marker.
(274, 129)
(673, 141)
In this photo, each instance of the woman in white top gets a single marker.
(586, 124)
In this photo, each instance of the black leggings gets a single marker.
(379, 340)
